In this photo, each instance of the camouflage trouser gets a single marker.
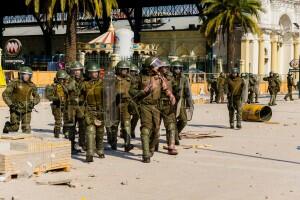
(235, 105)
(58, 113)
(135, 116)
(74, 115)
(15, 119)
(290, 93)
(123, 118)
(251, 95)
(220, 95)
(168, 116)
(213, 92)
(94, 132)
(181, 121)
(273, 95)
(150, 124)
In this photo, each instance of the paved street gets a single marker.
(261, 161)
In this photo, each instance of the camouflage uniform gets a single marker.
(133, 105)
(221, 87)
(235, 89)
(183, 97)
(168, 111)
(92, 90)
(123, 82)
(213, 89)
(148, 91)
(20, 96)
(57, 93)
(75, 108)
(272, 87)
(290, 85)
(251, 88)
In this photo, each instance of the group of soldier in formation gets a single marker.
(85, 103)
(236, 85)
(88, 104)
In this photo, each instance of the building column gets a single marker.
(296, 47)
(245, 52)
(274, 53)
(261, 55)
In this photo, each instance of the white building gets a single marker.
(279, 42)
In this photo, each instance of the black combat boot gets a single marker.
(56, 132)
(5, 129)
(127, 146)
(238, 126)
(231, 125)
(146, 160)
(89, 158)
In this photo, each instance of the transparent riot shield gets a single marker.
(245, 89)
(189, 102)
(110, 109)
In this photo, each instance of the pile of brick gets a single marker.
(30, 154)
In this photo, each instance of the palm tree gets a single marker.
(222, 17)
(88, 7)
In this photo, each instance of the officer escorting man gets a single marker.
(123, 98)
(221, 87)
(57, 93)
(272, 87)
(20, 96)
(148, 91)
(235, 90)
(168, 111)
(212, 87)
(290, 85)
(183, 96)
(92, 90)
(133, 105)
(74, 106)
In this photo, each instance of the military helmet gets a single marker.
(177, 64)
(25, 70)
(153, 62)
(123, 65)
(92, 67)
(165, 62)
(76, 65)
(61, 74)
(133, 67)
(235, 70)
(271, 73)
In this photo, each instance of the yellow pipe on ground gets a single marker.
(256, 113)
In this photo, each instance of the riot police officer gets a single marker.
(290, 85)
(183, 96)
(57, 93)
(123, 99)
(74, 106)
(92, 90)
(272, 87)
(20, 96)
(168, 111)
(235, 90)
(148, 91)
(134, 105)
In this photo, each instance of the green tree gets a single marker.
(89, 7)
(223, 17)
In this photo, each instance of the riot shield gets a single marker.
(109, 101)
(245, 89)
(189, 102)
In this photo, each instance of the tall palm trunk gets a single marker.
(71, 35)
(230, 50)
